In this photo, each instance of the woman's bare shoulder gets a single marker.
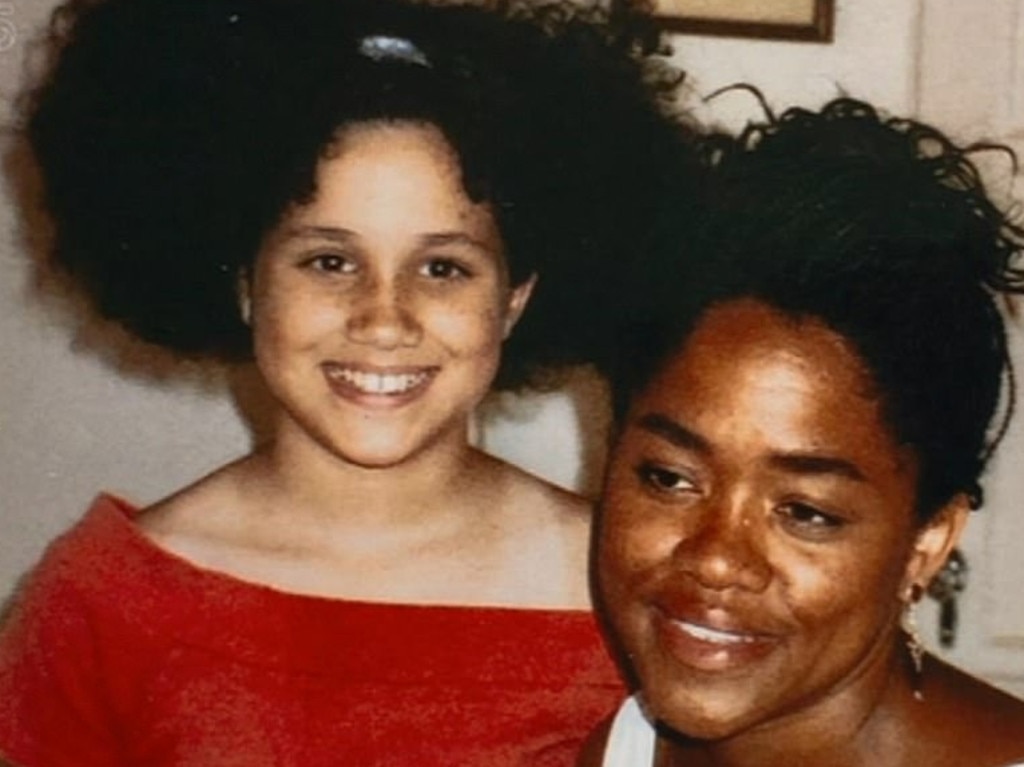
(983, 725)
(592, 753)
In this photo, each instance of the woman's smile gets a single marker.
(703, 644)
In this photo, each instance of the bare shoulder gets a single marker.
(982, 724)
(592, 753)
(553, 525)
(216, 524)
(193, 520)
(545, 507)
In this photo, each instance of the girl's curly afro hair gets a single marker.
(173, 134)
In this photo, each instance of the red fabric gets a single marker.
(119, 653)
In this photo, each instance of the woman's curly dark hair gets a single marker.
(881, 229)
(173, 134)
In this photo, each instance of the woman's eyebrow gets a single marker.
(801, 463)
(673, 432)
(794, 463)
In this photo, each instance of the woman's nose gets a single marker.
(382, 314)
(726, 550)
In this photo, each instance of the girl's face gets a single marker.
(378, 310)
(758, 535)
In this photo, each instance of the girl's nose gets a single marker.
(383, 315)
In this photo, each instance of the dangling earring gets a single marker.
(243, 290)
(245, 309)
(913, 638)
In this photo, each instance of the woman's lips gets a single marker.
(388, 386)
(707, 634)
(712, 640)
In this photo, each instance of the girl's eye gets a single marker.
(664, 480)
(810, 521)
(330, 262)
(444, 269)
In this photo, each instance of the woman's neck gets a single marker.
(863, 723)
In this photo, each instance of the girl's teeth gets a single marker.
(706, 634)
(382, 383)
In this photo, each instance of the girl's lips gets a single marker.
(389, 386)
(714, 641)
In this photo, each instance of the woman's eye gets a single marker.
(444, 269)
(663, 479)
(810, 519)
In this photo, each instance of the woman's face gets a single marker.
(378, 310)
(757, 532)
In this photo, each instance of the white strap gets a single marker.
(631, 738)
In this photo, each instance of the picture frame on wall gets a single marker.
(807, 20)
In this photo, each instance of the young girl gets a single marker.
(803, 430)
(364, 196)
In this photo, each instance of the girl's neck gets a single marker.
(302, 475)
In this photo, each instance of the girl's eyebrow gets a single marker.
(336, 233)
(456, 238)
(342, 235)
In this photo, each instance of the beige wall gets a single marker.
(72, 424)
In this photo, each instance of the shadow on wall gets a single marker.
(63, 303)
(560, 433)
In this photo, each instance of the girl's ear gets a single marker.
(935, 541)
(243, 291)
(518, 298)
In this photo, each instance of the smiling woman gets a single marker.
(803, 423)
(754, 501)
(388, 207)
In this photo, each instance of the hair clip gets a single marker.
(388, 47)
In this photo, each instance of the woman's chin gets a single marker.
(698, 718)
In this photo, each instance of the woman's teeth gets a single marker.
(705, 634)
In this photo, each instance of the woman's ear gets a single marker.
(518, 298)
(243, 291)
(934, 542)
